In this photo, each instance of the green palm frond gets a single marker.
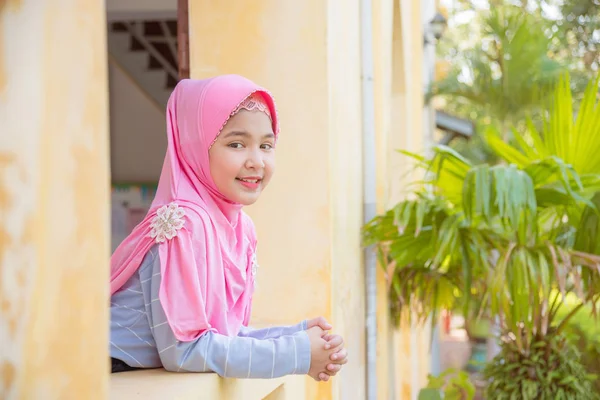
(502, 239)
(576, 142)
(446, 171)
(501, 192)
(509, 73)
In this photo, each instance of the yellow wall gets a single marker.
(308, 220)
(157, 384)
(410, 343)
(308, 54)
(403, 354)
(383, 25)
(54, 179)
(54, 185)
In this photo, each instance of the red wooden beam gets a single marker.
(183, 41)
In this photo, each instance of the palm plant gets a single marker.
(500, 70)
(511, 236)
(503, 74)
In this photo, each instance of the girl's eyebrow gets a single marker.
(246, 134)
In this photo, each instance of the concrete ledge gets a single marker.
(159, 384)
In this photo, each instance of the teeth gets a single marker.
(249, 180)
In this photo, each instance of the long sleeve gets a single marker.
(272, 332)
(253, 354)
(237, 357)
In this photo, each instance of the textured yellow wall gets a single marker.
(308, 220)
(54, 185)
(54, 179)
(281, 45)
(156, 384)
(383, 25)
(308, 54)
(409, 344)
(402, 354)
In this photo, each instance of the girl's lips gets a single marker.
(250, 182)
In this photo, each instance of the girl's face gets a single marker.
(242, 160)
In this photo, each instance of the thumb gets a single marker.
(324, 324)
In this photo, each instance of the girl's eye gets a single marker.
(235, 145)
(267, 146)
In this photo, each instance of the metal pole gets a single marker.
(369, 190)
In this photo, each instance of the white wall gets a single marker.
(138, 139)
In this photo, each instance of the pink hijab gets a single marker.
(206, 243)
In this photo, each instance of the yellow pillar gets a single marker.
(308, 54)
(403, 352)
(410, 343)
(54, 198)
(382, 53)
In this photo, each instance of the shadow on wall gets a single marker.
(137, 131)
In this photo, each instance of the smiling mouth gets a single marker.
(255, 180)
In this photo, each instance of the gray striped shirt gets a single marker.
(141, 337)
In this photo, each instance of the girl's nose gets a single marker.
(255, 160)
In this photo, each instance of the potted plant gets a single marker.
(514, 235)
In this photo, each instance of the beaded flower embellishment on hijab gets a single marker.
(166, 223)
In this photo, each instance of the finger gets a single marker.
(322, 322)
(341, 361)
(334, 341)
(339, 355)
(336, 350)
(333, 368)
(323, 377)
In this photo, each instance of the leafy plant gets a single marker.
(503, 72)
(510, 235)
(584, 332)
(499, 55)
(551, 370)
(453, 384)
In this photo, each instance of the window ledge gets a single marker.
(159, 384)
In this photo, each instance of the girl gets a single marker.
(182, 281)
